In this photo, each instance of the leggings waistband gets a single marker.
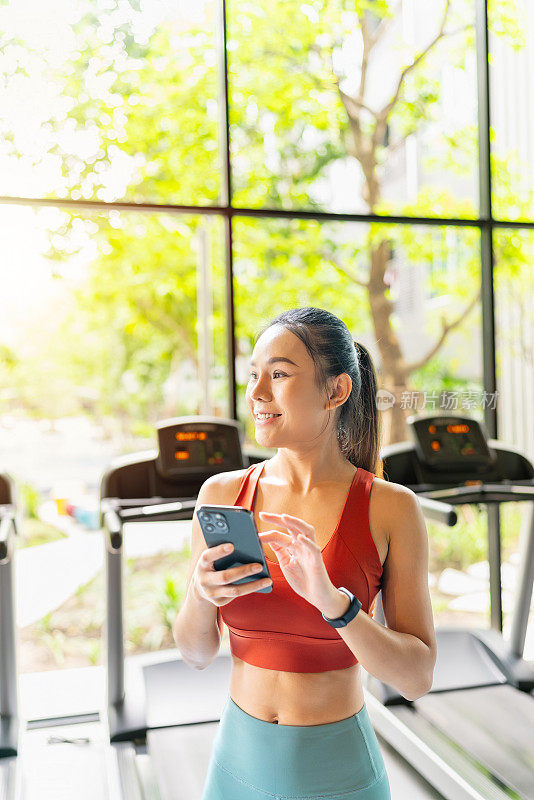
(280, 732)
(269, 760)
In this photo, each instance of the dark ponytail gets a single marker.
(366, 433)
(330, 344)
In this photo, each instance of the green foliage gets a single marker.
(8, 357)
(508, 21)
(467, 542)
(170, 600)
(30, 499)
(437, 376)
(35, 532)
(513, 195)
(149, 102)
(460, 546)
(45, 624)
(93, 650)
(54, 641)
(151, 604)
(136, 313)
(512, 517)
(144, 100)
(287, 129)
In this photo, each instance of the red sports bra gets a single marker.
(283, 631)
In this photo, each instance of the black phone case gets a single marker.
(236, 525)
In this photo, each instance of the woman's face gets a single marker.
(286, 389)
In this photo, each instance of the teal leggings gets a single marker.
(253, 759)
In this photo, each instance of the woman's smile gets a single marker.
(261, 420)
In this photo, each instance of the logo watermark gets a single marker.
(445, 400)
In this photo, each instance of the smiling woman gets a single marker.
(295, 683)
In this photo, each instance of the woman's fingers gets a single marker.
(275, 536)
(282, 542)
(292, 523)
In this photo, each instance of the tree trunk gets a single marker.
(393, 376)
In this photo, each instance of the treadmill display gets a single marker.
(449, 441)
(200, 452)
(189, 447)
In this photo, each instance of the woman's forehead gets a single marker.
(278, 341)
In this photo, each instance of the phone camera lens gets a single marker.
(220, 516)
(210, 528)
(220, 523)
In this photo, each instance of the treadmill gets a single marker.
(9, 723)
(162, 713)
(478, 718)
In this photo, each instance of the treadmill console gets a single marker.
(191, 446)
(445, 442)
(447, 451)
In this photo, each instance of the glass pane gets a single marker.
(109, 101)
(417, 307)
(338, 108)
(111, 322)
(514, 344)
(512, 108)
(514, 327)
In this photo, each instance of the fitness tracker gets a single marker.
(351, 612)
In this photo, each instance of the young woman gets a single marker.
(295, 724)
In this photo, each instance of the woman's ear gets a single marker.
(340, 389)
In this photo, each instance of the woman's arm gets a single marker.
(403, 654)
(196, 630)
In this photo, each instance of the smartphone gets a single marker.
(221, 524)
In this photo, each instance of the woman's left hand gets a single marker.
(299, 557)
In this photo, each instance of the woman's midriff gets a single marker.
(296, 698)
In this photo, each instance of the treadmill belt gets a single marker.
(177, 694)
(494, 724)
(180, 757)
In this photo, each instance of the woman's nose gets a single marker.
(260, 389)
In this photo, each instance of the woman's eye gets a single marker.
(253, 374)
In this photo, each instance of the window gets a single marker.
(162, 183)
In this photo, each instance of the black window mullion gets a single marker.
(224, 149)
(486, 231)
(226, 203)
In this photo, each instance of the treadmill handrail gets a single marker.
(479, 493)
(438, 511)
(7, 524)
(9, 729)
(112, 526)
(147, 512)
(135, 502)
(114, 516)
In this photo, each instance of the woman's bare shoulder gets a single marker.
(387, 490)
(388, 501)
(226, 485)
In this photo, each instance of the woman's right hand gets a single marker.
(214, 585)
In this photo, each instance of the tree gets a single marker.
(297, 111)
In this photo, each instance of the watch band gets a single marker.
(350, 613)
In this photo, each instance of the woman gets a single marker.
(295, 724)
